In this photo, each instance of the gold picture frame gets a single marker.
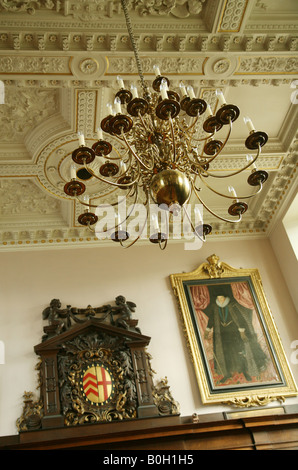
(234, 344)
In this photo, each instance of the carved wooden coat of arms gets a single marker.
(93, 368)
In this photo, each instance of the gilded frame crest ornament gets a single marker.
(235, 347)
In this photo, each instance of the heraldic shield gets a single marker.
(94, 368)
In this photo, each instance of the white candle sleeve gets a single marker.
(120, 82)
(73, 172)
(110, 109)
(208, 111)
(155, 222)
(249, 158)
(119, 227)
(191, 92)
(183, 89)
(117, 103)
(220, 97)
(232, 191)
(156, 70)
(81, 138)
(122, 167)
(163, 90)
(134, 91)
(99, 134)
(249, 124)
(198, 216)
(86, 199)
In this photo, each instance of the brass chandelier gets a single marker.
(164, 156)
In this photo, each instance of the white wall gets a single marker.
(284, 241)
(30, 280)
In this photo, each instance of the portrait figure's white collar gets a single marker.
(224, 303)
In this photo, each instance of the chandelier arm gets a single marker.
(135, 50)
(223, 145)
(90, 228)
(205, 138)
(114, 204)
(187, 130)
(198, 164)
(230, 197)
(129, 213)
(163, 245)
(173, 138)
(211, 158)
(136, 156)
(105, 205)
(192, 226)
(117, 151)
(140, 234)
(140, 116)
(238, 171)
(213, 213)
(112, 183)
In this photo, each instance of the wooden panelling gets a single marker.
(171, 433)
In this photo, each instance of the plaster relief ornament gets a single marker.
(178, 8)
(29, 6)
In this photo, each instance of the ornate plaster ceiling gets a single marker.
(59, 61)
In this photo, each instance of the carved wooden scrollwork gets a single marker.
(91, 357)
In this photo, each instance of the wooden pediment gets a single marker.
(93, 325)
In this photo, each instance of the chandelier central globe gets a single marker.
(170, 187)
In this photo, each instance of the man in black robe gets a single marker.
(235, 343)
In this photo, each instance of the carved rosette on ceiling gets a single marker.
(94, 368)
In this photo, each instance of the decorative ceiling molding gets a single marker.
(48, 41)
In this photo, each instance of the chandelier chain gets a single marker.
(135, 49)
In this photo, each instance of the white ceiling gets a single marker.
(59, 61)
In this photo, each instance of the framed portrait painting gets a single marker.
(235, 347)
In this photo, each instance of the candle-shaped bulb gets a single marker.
(99, 134)
(155, 222)
(208, 110)
(122, 167)
(249, 124)
(73, 172)
(232, 191)
(220, 97)
(120, 82)
(249, 158)
(81, 138)
(134, 91)
(117, 103)
(183, 89)
(110, 109)
(86, 199)
(190, 92)
(156, 70)
(119, 227)
(198, 215)
(163, 89)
